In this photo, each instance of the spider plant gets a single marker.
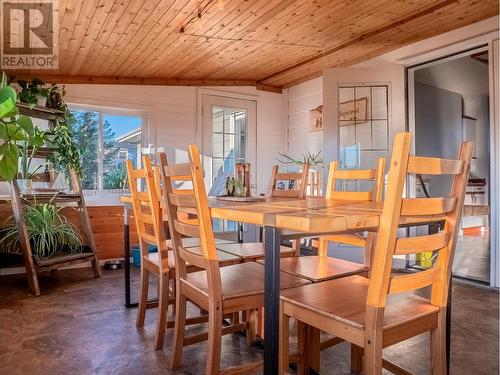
(307, 158)
(49, 232)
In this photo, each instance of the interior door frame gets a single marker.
(393, 76)
(494, 144)
(251, 128)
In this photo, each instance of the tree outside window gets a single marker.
(106, 141)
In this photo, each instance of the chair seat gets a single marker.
(320, 268)
(242, 280)
(225, 259)
(344, 300)
(251, 251)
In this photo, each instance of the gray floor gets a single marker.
(80, 326)
(472, 257)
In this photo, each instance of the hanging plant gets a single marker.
(14, 129)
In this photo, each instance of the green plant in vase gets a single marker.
(235, 187)
(314, 160)
(49, 231)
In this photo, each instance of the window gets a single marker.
(106, 140)
(364, 129)
(228, 140)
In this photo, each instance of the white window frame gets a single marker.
(112, 112)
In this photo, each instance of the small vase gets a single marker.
(25, 185)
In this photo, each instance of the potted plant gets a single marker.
(49, 231)
(33, 93)
(29, 148)
(314, 160)
(14, 129)
(235, 187)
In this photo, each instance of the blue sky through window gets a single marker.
(123, 124)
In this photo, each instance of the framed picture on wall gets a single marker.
(316, 119)
(353, 111)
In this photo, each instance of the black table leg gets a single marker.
(126, 256)
(448, 329)
(271, 300)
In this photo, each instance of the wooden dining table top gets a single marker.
(312, 215)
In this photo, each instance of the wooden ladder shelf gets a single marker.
(75, 198)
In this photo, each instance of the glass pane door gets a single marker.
(229, 130)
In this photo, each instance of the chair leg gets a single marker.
(214, 337)
(163, 286)
(302, 333)
(296, 248)
(284, 341)
(261, 322)
(143, 297)
(179, 329)
(252, 318)
(373, 340)
(356, 359)
(438, 345)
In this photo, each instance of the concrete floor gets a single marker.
(80, 326)
(472, 257)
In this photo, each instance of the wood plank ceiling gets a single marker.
(266, 43)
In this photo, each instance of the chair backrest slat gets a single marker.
(376, 175)
(187, 229)
(434, 166)
(352, 195)
(179, 171)
(300, 182)
(182, 200)
(396, 209)
(421, 244)
(408, 283)
(427, 206)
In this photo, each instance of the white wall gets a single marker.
(301, 99)
(172, 113)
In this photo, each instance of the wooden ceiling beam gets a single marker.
(66, 79)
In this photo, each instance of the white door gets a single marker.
(228, 136)
(364, 108)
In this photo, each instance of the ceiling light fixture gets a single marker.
(197, 19)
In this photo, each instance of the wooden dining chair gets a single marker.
(289, 184)
(383, 310)
(150, 230)
(294, 186)
(322, 267)
(147, 215)
(219, 291)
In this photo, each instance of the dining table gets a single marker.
(312, 216)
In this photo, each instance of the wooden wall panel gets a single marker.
(107, 226)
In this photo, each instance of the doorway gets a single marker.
(449, 104)
(229, 137)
